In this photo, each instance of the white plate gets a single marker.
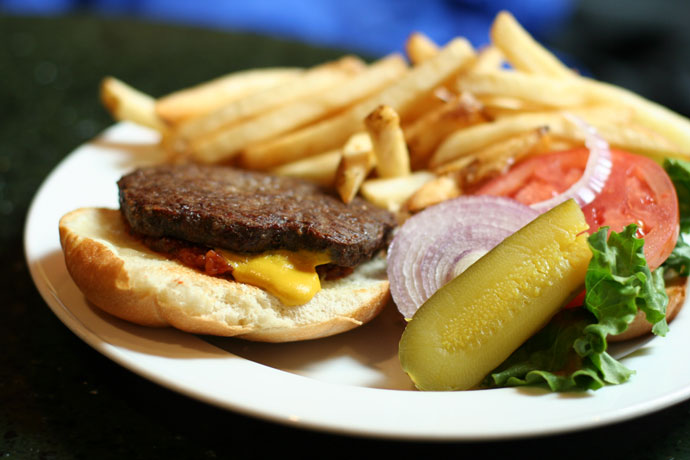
(349, 384)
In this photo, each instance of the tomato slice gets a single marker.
(638, 190)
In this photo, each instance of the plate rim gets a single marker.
(286, 414)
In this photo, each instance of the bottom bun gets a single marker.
(675, 290)
(123, 277)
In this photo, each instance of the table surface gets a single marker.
(59, 398)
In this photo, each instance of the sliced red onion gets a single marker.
(435, 245)
(595, 175)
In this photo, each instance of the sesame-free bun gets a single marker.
(675, 289)
(123, 277)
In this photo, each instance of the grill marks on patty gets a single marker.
(250, 212)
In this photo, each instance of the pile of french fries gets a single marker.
(402, 133)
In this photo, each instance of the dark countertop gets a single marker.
(60, 399)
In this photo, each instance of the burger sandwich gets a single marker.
(215, 250)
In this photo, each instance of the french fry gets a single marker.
(435, 191)
(611, 124)
(320, 169)
(443, 94)
(672, 126)
(559, 145)
(228, 142)
(476, 137)
(430, 100)
(418, 82)
(534, 89)
(464, 141)
(356, 162)
(498, 157)
(388, 141)
(525, 54)
(462, 165)
(427, 132)
(391, 193)
(420, 48)
(602, 114)
(126, 103)
(532, 92)
(495, 107)
(632, 137)
(201, 99)
(429, 103)
(489, 58)
(302, 143)
(456, 117)
(314, 80)
(522, 51)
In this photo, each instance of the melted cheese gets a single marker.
(290, 276)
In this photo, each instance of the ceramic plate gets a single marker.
(349, 384)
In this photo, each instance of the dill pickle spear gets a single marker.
(473, 323)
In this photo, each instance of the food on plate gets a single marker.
(262, 100)
(465, 146)
(250, 212)
(638, 190)
(356, 162)
(625, 294)
(522, 51)
(436, 245)
(191, 103)
(625, 299)
(474, 322)
(420, 48)
(320, 169)
(127, 103)
(228, 142)
(405, 95)
(437, 190)
(392, 192)
(388, 142)
(424, 134)
(214, 250)
(675, 290)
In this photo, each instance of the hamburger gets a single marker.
(216, 250)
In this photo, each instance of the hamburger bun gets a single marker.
(120, 275)
(675, 289)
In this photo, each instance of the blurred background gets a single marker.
(53, 55)
(639, 44)
(366, 26)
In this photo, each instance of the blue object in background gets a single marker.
(373, 27)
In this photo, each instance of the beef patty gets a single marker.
(250, 212)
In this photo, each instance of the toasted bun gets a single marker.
(120, 275)
(640, 326)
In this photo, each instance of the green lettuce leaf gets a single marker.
(549, 358)
(618, 283)
(570, 352)
(679, 172)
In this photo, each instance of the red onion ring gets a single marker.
(433, 246)
(595, 175)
